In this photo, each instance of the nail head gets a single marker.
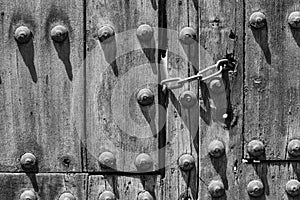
(67, 196)
(144, 32)
(106, 34)
(187, 35)
(294, 148)
(28, 161)
(23, 34)
(255, 148)
(59, 33)
(107, 195)
(292, 187)
(28, 195)
(216, 188)
(107, 160)
(186, 162)
(145, 195)
(294, 20)
(145, 97)
(143, 162)
(217, 86)
(216, 149)
(257, 20)
(188, 99)
(255, 188)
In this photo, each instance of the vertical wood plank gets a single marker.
(272, 79)
(221, 36)
(41, 86)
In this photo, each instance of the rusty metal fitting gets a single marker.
(144, 32)
(255, 188)
(216, 188)
(294, 148)
(28, 161)
(186, 162)
(107, 160)
(23, 34)
(145, 97)
(106, 34)
(255, 148)
(188, 35)
(59, 33)
(216, 149)
(257, 20)
(143, 162)
(292, 187)
(28, 195)
(107, 195)
(294, 20)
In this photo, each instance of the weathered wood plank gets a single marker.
(41, 86)
(44, 186)
(272, 78)
(221, 36)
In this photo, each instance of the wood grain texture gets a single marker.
(272, 78)
(221, 36)
(116, 71)
(45, 186)
(123, 187)
(182, 122)
(41, 86)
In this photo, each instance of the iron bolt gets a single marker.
(292, 187)
(145, 97)
(144, 32)
(255, 148)
(294, 148)
(107, 160)
(187, 35)
(216, 188)
(28, 195)
(216, 149)
(143, 162)
(145, 195)
(186, 162)
(255, 188)
(23, 34)
(67, 196)
(107, 195)
(258, 20)
(106, 34)
(294, 19)
(217, 86)
(59, 33)
(28, 161)
(188, 99)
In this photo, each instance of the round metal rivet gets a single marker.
(188, 99)
(23, 34)
(257, 20)
(145, 196)
(255, 188)
(28, 195)
(186, 162)
(216, 85)
(292, 187)
(67, 196)
(187, 35)
(106, 34)
(107, 195)
(28, 160)
(294, 19)
(216, 188)
(145, 97)
(107, 160)
(216, 149)
(143, 162)
(59, 33)
(294, 148)
(255, 148)
(144, 32)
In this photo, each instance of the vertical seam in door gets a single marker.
(244, 78)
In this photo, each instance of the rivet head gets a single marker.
(28, 161)
(216, 188)
(255, 188)
(23, 34)
(145, 97)
(255, 148)
(187, 35)
(294, 148)
(107, 195)
(257, 20)
(106, 34)
(107, 160)
(28, 195)
(145, 195)
(216, 85)
(292, 187)
(188, 99)
(216, 149)
(59, 33)
(143, 162)
(186, 162)
(144, 32)
(294, 19)
(67, 196)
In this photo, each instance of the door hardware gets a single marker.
(187, 35)
(143, 162)
(255, 148)
(144, 32)
(294, 148)
(294, 20)
(107, 195)
(59, 33)
(107, 160)
(216, 149)
(144, 195)
(28, 161)
(255, 188)
(145, 97)
(106, 34)
(292, 187)
(67, 196)
(186, 162)
(257, 20)
(28, 195)
(23, 34)
(188, 99)
(216, 188)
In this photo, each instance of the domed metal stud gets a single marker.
(216, 188)
(145, 97)
(217, 86)
(59, 33)
(143, 162)
(144, 32)
(67, 196)
(294, 20)
(23, 34)
(188, 99)
(292, 187)
(107, 160)
(216, 149)
(107, 195)
(257, 20)
(28, 195)
(255, 188)
(187, 35)
(294, 148)
(106, 34)
(186, 162)
(28, 161)
(145, 195)
(255, 148)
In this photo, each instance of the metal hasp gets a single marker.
(255, 188)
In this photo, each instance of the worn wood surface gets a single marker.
(45, 186)
(221, 36)
(41, 86)
(272, 78)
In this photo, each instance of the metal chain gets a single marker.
(177, 82)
